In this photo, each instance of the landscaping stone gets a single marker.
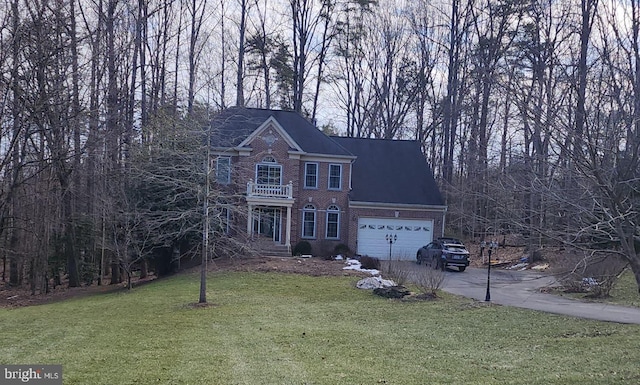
(392, 292)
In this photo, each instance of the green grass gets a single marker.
(625, 291)
(268, 328)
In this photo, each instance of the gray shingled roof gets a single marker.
(390, 171)
(233, 125)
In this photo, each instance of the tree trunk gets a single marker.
(205, 228)
(635, 268)
(241, 49)
(14, 272)
(115, 271)
(144, 268)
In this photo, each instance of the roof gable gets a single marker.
(237, 126)
(390, 171)
(264, 132)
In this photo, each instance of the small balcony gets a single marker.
(257, 190)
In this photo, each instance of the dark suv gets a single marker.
(443, 253)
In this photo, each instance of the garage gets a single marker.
(408, 235)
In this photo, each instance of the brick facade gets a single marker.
(271, 144)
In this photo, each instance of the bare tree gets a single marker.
(242, 28)
(313, 31)
(394, 76)
(350, 77)
(197, 10)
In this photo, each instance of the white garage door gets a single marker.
(411, 235)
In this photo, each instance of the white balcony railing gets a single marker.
(269, 191)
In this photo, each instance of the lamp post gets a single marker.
(492, 245)
(391, 238)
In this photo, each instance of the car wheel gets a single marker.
(461, 268)
(419, 259)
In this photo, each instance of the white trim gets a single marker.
(223, 151)
(396, 206)
(270, 201)
(273, 123)
(311, 157)
(244, 151)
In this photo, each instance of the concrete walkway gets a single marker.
(522, 289)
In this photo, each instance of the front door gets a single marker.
(266, 222)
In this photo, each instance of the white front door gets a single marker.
(393, 238)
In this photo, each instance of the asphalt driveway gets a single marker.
(522, 289)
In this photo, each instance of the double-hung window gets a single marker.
(268, 172)
(311, 175)
(335, 177)
(333, 222)
(223, 170)
(309, 221)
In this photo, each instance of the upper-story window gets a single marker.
(311, 175)
(269, 172)
(335, 177)
(223, 169)
(333, 222)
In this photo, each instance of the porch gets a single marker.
(269, 219)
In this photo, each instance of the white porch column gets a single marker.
(288, 236)
(249, 220)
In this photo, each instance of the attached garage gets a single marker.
(408, 236)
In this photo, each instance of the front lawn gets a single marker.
(269, 328)
(625, 291)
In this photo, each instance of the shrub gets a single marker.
(369, 262)
(325, 249)
(342, 249)
(595, 273)
(397, 271)
(429, 281)
(302, 248)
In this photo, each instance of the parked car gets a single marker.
(443, 253)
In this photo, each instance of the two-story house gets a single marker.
(378, 197)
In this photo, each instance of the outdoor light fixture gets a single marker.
(492, 246)
(391, 238)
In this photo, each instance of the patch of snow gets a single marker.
(519, 266)
(541, 267)
(354, 264)
(374, 283)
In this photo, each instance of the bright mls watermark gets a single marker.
(31, 374)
